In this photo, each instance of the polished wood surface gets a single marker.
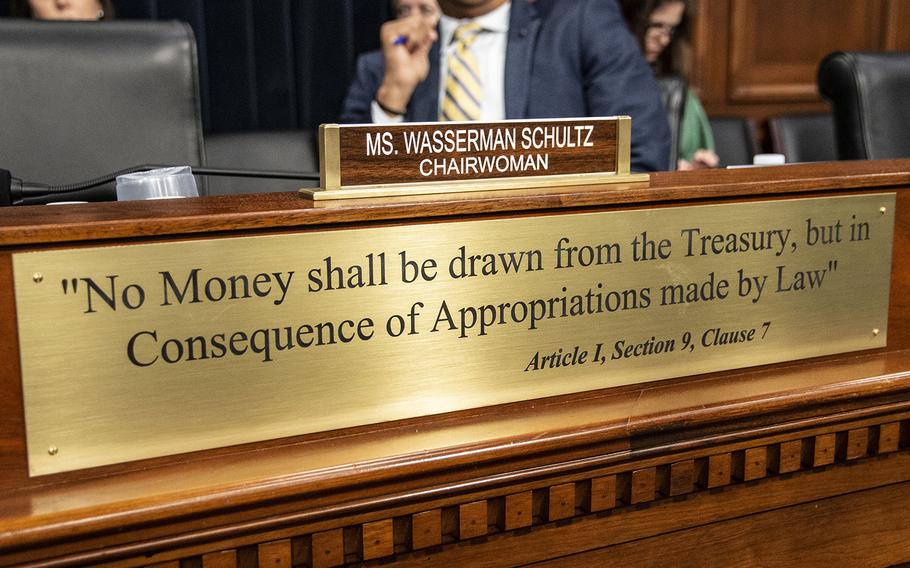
(43, 225)
(592, 477)
(854, 536)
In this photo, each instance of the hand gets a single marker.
(703, 158)
(406, 44)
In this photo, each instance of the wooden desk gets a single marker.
(796, 464)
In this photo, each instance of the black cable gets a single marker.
(19, 190)
(31, 189)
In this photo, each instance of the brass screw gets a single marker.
(38, 277)
(882, 210)
(52, 450)
(875, 332)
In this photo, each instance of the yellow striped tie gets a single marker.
(463, 89)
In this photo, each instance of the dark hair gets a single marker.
(21, 9)
(674, 59)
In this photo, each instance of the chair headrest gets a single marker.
(868, 93)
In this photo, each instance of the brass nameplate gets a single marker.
(439, 157)
(147, 350)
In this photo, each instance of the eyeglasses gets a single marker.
(662, 29)
(426, 11)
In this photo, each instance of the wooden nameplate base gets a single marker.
(360, 161)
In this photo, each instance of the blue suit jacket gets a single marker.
(564, 58)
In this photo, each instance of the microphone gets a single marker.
(14, 191)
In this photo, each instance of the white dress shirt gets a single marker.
(490, 50)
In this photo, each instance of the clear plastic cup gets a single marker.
(163, 183)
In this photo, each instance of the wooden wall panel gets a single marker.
(759, 58)
(710, 51)
(776, 45)
(897, 17)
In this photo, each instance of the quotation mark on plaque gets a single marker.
(71, 283)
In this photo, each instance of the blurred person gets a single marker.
(661, 27)
(530, 59)
(428, 10)
(63, 9)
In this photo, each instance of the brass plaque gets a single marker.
(147, 350)
(436, 157)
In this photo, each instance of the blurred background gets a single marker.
(286, 64)
(269, 64)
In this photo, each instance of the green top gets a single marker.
(695, 130)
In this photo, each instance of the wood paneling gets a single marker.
(561, 502)
(426, 529)
(897, 19)
(222, 559)
(377, 539)
(706, 515)
(644, 485)
(856, 537)
(472, 520)
(857, 443)
(823, 450)
(518, 511)
(787, 456)
(776, 45)
(473, 515)
(755, 464)
(275, 554)
(719, 471)
(888, 437)
(759, 58)
(682, 478)
(603, 493)
(749, 513)
(328, 549)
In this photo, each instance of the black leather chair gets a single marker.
(673, 91)
(734, 139)
(870, 99)
(82, 99)
(283, 150)
(803, 137)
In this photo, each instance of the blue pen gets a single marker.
(400, 40)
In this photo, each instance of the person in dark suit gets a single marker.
(543, 59)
